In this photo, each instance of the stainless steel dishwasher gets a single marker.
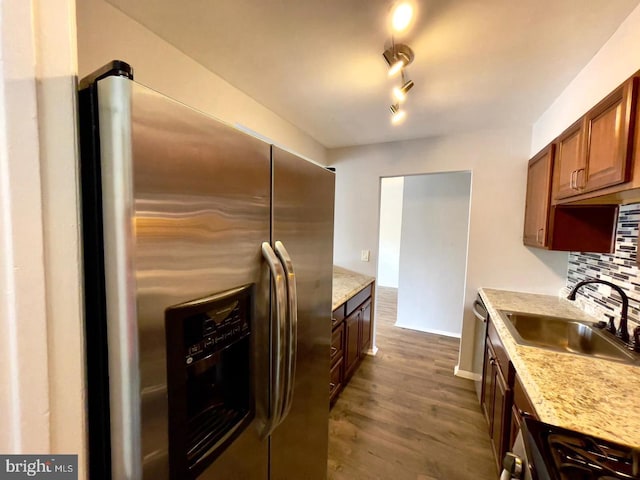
(482, 317)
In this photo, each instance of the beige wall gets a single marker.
(105, 34)
(496, 256)
(617, 60)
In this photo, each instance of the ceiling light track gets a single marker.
(399, 56)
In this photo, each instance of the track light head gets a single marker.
(400, 93)
(397, 114)
(397, 56)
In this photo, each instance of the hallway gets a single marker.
(404, 415)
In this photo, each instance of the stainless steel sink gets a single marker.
(566, 335)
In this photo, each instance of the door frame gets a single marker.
(42, 321)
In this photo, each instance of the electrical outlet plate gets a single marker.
(364, 255)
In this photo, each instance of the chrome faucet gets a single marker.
(622, 332)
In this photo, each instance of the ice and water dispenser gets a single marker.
(208, 377)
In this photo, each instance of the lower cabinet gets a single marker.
(352, 342)
(503, 399)
(351, 338)
(495, 399)
(337, 361)
(365, 328)
(335, 382)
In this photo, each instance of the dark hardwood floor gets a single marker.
(404, 415)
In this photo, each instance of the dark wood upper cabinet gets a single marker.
(595, 152)
(536, 214)
(594, 166)
(610, 139)
(569, 161)
(578, 228)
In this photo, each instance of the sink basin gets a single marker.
(566, 335)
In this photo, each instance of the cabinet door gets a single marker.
(609, 140)
(536, 214)
(501, 417)
(335, 382)
(352, 341)
(488, 377)
(365, 330)
(569, 160)
(337, 343)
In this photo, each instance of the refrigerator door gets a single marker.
(199, 210)
(303, 203)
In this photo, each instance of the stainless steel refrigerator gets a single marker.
(208, 263)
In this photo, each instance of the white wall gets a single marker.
(391, 190)
(617, 60)
(24, 379)
(433, 252)
(42, 395)
(105, 34)
(497, 258)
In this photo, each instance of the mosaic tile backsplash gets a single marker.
(619, 268)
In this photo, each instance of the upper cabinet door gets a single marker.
(536, 214)
(570, 161)
(609, 131)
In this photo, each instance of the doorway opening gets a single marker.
(423, 242)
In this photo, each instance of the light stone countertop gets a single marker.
(591, 395)
(347, 283)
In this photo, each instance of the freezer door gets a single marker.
(196, 214)
(303, 203)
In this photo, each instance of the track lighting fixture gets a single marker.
(400, 93)
(397, 56)
(397, 114)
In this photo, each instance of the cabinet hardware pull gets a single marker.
(332, 386)
(334, 319)
(572, 182)
(334, 350)
(538, 236)
(582, 184)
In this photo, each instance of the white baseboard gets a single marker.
(476, 377)
(372, 351)
(428, 330)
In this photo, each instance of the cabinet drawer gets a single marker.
(337, 342)
(357, 300)
(337, 315)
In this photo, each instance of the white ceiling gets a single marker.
(318, 64)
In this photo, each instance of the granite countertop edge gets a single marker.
(591, 395)
(346, 283)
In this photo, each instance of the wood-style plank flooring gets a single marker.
(404, 415)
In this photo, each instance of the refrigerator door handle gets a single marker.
(278, 359)
(292, 336)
